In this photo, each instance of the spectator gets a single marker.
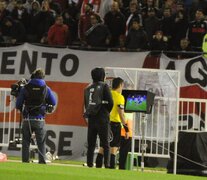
(11, 5)
(150, 5)
(184, 50)
(98, 34)
(71, 18)
(170, 4)
(28, 5)
(121, 46)
(85, 22)
(133, 13)
(3, 11)
(55, 6)
(184, 45)
(13, 31)
(63, 4)
(58, 33)
(167, 25)
(159, 42)
(33, 24)
(70, 22)
(196, 30)
(115, 21)
(137, 37)
(180, 7)
(45, 19)
(180, 28)
(199, 4)
(20, 13)
(151, 24)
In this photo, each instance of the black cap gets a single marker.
(98, 74)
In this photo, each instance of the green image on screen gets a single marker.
(136, 103)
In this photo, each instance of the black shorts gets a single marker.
(116, 131)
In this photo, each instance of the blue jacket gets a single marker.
(50, 99)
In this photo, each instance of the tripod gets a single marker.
(143, 145)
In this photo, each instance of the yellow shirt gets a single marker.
(119, 101)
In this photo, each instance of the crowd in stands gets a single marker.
(139, 25)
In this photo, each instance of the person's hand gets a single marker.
(107, 41)
(127, 135)
(13, 41)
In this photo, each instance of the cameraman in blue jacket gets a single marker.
(33, 102)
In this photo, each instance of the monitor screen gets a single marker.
(135, 100)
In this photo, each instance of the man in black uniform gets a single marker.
(98, 104)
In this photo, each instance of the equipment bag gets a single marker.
(35, 98)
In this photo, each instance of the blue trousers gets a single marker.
(38, 127)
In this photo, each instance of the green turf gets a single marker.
(21, 171)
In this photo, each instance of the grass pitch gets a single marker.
(22, 171)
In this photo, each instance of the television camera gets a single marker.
(16, 87)
(15, 90)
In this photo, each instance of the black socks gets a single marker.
(99, 160)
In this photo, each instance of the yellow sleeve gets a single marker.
(121, 102)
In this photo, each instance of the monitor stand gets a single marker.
(143, 144)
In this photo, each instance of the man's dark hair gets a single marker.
(98, 74)
(116, 82)
(38, 74)
(98, 18)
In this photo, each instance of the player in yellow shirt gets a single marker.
(117, 120)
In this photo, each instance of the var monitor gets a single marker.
(138, 101)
